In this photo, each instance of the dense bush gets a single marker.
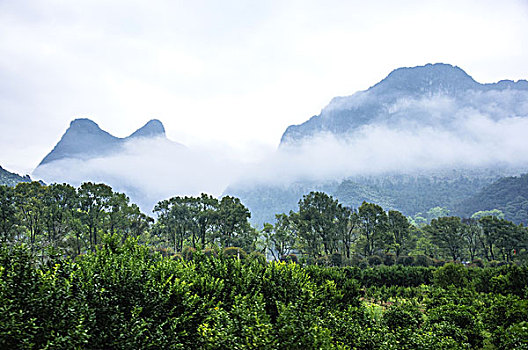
(235, 252)
(125, 296)
(375, 260)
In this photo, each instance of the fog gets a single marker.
(413, 136)
(152, 169)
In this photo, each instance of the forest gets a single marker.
(85, 268)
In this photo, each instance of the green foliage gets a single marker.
(234, 252)
(457, 322)
(125, 295)
(374, 260)
(451, 274)
(507, 196)
(423, 260)
(403, 315)
(405, 260)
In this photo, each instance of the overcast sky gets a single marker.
(236, 73)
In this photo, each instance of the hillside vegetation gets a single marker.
(509, 195)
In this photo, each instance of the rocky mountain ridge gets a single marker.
(413, 95)
(84, 139)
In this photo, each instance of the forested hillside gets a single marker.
(509, 195)
(412, 194)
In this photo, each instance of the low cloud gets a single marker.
(418, 136)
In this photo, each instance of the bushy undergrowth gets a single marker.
(125, 296)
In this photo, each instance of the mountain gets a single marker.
(84, 139)
(508, 194)
(11, 179)
(427, 95)
(423, 137)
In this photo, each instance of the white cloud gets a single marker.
(234, 71)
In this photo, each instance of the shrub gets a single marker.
(458, 322)
(363, 264)
(374, 260)
(403, 315)
(354, 260)
(322, 261)
(389, 259)
(188, 252)
(209, 252)
(405, 260)
(438, 263)
(257, 257)
(515, 337)
(290, 258)
(493, 263)
(478, 262)
(451, 274)
(422, 260)
(235, 252)
(336, 259)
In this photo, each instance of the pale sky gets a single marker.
(236, 73)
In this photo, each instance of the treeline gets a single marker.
(322, 231)
(62, 217)
(125, 296)
(325, 232)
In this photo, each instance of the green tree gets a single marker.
(234, 228)
(373, 227)
(399, 231)
(60, 203)
(173, 221)
(280, 238)
(28, 199)
(472, 237)
(320, 222)
(95, 202)
(449, 234)
(8, 218)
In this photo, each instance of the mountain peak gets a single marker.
(438, 77)
(153, 128)
(84, 139)
(432, 94)
(83, 123)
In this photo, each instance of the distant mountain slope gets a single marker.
(425, 95)
(412, 194)
(509, 195)
(409, 193)
(11, 179)
(84, 140)
(423, 137)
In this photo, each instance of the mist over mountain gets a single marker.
(434, 95)
(146, 165)
(422, 137)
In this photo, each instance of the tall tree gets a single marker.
(472, 236)
(280, 238)
(374, 227)
(95, 202)
(28, 198)
(60, 203)
(448, 233)
(234, 228)
(8, 218)
(399, 231)
(319, 223)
